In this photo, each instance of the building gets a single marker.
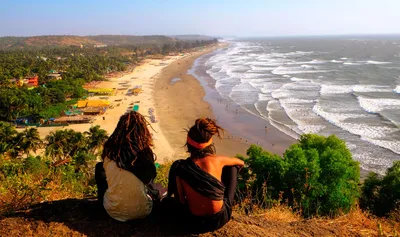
(100, 45)
(54, 76)
(28, 81)
(33, 81)
(93, 103)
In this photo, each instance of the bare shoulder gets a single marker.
(228, 161)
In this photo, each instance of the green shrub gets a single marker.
(36, 165)
(316, 176)
(381, 195)
(162, 174)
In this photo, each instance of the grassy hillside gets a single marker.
(132, 39)
(73, 40)
(192, 37)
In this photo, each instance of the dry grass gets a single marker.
(282, 213)
(358, 221)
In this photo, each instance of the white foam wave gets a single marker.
(377, 62)
(397, 89)
(351, 63)
(377, 105)
(293, 70)
(371, 88)
(259, 68)
(298, 79)
(391, 145)
(335, 89)
(373, 134)
(343, 58)
(264, 97)
(336, 61)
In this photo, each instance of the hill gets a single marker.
(192, 37)
(84, 217)
(132, 39)
(73, 40)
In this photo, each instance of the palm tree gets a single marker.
(56, 143)
(96, 138)
(7, 137)
(64, 144)
(30, 140)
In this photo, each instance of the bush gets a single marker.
(34, 179)
(317, 176)
(381, 195)
(162, 174)
(36, 165)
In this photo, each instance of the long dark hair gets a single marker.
(201, 132)
(130, 146)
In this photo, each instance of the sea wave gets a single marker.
(372, 105)
(377, 62)
(371, 88)
(327, 89)
(375, 134)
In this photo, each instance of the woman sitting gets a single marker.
(127, 169)
(204, 183)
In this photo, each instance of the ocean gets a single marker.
(347, 86)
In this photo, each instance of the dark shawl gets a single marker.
(199, 180)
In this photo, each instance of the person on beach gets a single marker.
(204, 184)
(124, 178)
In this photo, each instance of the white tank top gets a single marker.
(126, 197)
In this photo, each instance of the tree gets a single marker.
(64, 144)
(317, 175)
(29, 140)
(7, 136)
(381, 195)
(95, 138)
(56, 143)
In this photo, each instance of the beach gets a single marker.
(180, 100)
(143, 75)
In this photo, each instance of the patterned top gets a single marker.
(126, 197)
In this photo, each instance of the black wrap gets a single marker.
(199, 180)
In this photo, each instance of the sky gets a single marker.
(242, 18)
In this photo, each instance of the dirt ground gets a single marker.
(83, 217)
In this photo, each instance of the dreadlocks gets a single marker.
(201, 132)
(130, 147)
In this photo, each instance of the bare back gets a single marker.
(200, 205)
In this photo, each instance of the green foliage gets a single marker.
(316, 176)
(162, 174)
(381, 195)
(36, 165)
(33, 179)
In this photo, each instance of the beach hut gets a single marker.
(92, 103)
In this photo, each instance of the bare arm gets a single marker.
(230, 161)
(180, 190)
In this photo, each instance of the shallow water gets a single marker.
(343, 86)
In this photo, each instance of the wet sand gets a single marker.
(179, 102)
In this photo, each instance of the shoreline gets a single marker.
(181, 97)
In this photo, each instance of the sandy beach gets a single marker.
(179, 99)
(143, 75)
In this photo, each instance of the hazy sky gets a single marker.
(209, 17)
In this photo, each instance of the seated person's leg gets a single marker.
(101, 181)
(229, 179)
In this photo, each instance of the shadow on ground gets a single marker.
(85, 217)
